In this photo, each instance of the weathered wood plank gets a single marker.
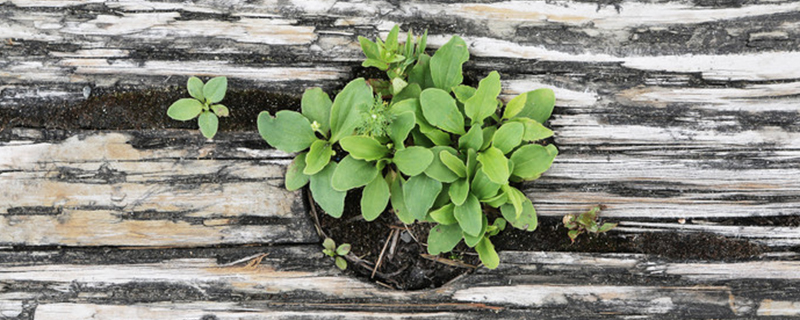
(300, 281)
(124, 189)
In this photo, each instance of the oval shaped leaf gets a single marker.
(318, 157)
(471, 240)
(414, 160)
(195, 87)
(374, 198)
(453, 163)
(494, 165)
(420, 192)
(214, 89)
(508, 137)
(534, 131)
(316, 106)
(352, 173)
(208, 123)
(472, 140)
(538, 105)
(488, 255)
(347, 107)
(437, 170)
(185, 109)
(483, 187)
(527, 220)
(440, 109)
(445, 65)
(463, 93)
(469, 216)
(458, 191)
(330, 200)
(288, 130)
(220, 110)
(484, 102)
(400, 127)
(295, 179)
(364, 147)
(397, 198)
(530, 161)
(515, 106)
(444, 215)
(443, 238)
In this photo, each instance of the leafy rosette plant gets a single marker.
(204, 104)
(436, 150)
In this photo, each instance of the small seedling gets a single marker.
(203, 105)
(331, 250)
(585, 222)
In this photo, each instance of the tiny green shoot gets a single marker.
(338, 253)
(585, 222)
(203, 104)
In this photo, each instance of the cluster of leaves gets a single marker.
(585, 222)
(203, 105)
(338, 253)
(434, 149)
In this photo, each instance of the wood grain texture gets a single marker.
(298, 281)
(123, 189)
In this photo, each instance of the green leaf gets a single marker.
(437, 170)
(443, 238)
(295, 179)
(341, 263)
(495, 165)
(488, 255)
(316, 106)
(534, 131)
(484, 102)
(398, 198)
(374, 198)
(343, 249)
(398, 85)
(391, 39)
(369, 48)
(195, 87)
(364, 147)
(375, 63)
(471, 240)
(469, 215)
(185, 109)
(508, 137)
(472, 163)
(472, 140)
(488, 134)
(530, 161)
(347, 107)
(421, 73)
(453, 163)
(496, 201)
(329, 244)
(438, 137)
(458, 191)
(330, 200)
(483, 187)
(443, 198)
(463, 93)
(515, 106)
(411, 91)
(445, 65)
(318, 157)
(352, 173)
(573, 234)
(527, 220)
(214, 89)
(400, 127)
(515, 198)
(288, 130)
(538, 105)
(440, 109)
(413, 160)
(444, 215)
(606, 227)
(420, 192)
(208, 123)
(220, 110)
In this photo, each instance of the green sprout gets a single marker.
(585, 222)
(330, 249)
(203, 105)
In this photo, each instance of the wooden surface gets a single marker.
(665, 111)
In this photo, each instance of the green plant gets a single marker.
(203, 105)
(585, 222)
(338, 253)
(434, 149)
